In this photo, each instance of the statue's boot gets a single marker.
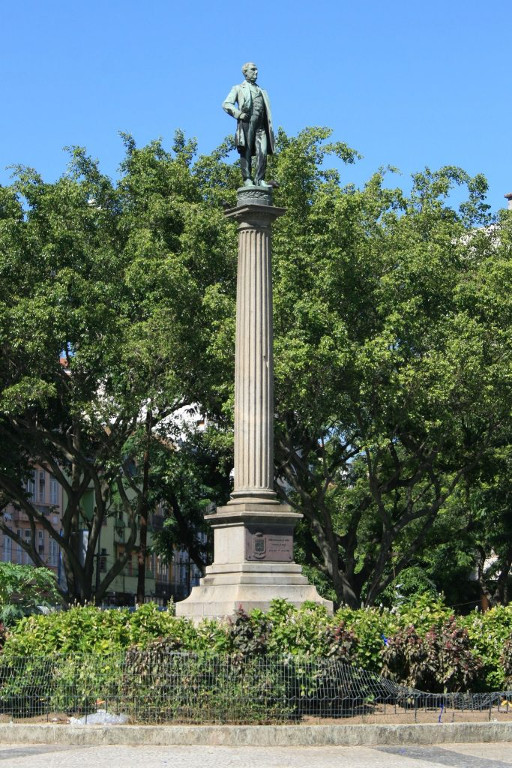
(248, 183)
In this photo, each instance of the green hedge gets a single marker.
(477, 649)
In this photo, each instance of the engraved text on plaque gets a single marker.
(269, 543)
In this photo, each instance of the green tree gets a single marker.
(102, 329)
(392, 358)
(483, 510)
(193, 478)
(392, 349)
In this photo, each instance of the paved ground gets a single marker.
(445, 756)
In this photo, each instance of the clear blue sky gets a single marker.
(407, 83)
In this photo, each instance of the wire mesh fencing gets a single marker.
(189, 688)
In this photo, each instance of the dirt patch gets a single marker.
(388, 716)
(55, 718)
(385, 715)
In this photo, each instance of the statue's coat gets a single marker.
(241, 95)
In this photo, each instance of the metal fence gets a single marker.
(188, 688)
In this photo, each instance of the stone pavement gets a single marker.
(490, 755)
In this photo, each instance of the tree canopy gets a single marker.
(103, 332)
(392, 321)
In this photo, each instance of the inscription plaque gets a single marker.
(269, 543)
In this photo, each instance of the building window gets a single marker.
(41, 486)
(54, 491)
(54, 552)
(7, 549)
(26, 557)
(31, 486)
(22, 556)
(18, 547)
(162, 569)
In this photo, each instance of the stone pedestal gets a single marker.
(253, 533)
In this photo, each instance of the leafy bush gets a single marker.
(161, 684)
(489, 633)
(81, 629)
(342, 643)
(405, 658)
(424, 612)
(298, 632)
(24, 686)
(32, 685)
(148, 622)
(506, 663)
(87, 629)
(371, 627)
(74, 686)
(437, 662)
(419, 644)
(25, 589)
(248, 636)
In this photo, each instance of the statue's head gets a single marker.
(250, 71)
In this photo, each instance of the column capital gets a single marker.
(254, 215)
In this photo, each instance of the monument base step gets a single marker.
(220, 595)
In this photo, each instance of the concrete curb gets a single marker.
(256, 735)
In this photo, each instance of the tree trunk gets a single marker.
(143, 516)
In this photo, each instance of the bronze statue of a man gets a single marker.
(250, 105)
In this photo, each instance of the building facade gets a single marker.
(163, 581)
(45, 494)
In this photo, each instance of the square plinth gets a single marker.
(253, 565)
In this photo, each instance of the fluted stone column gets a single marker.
(254, 375)
(253, 532)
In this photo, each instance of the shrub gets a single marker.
(506, 663)
(450, 650)
(371, 627)
(160, 684)
(342, 643)
(489, 633)
(437, 641)
(423, 612)
(437, 662)
(87, 629)
(211, 636)
(404, 658)
(298, 632)
(81, 629)
(25, 589)
(148, 622)
(248, 635)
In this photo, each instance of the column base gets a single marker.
(253, 563)
(221, 600)
(254, 195)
